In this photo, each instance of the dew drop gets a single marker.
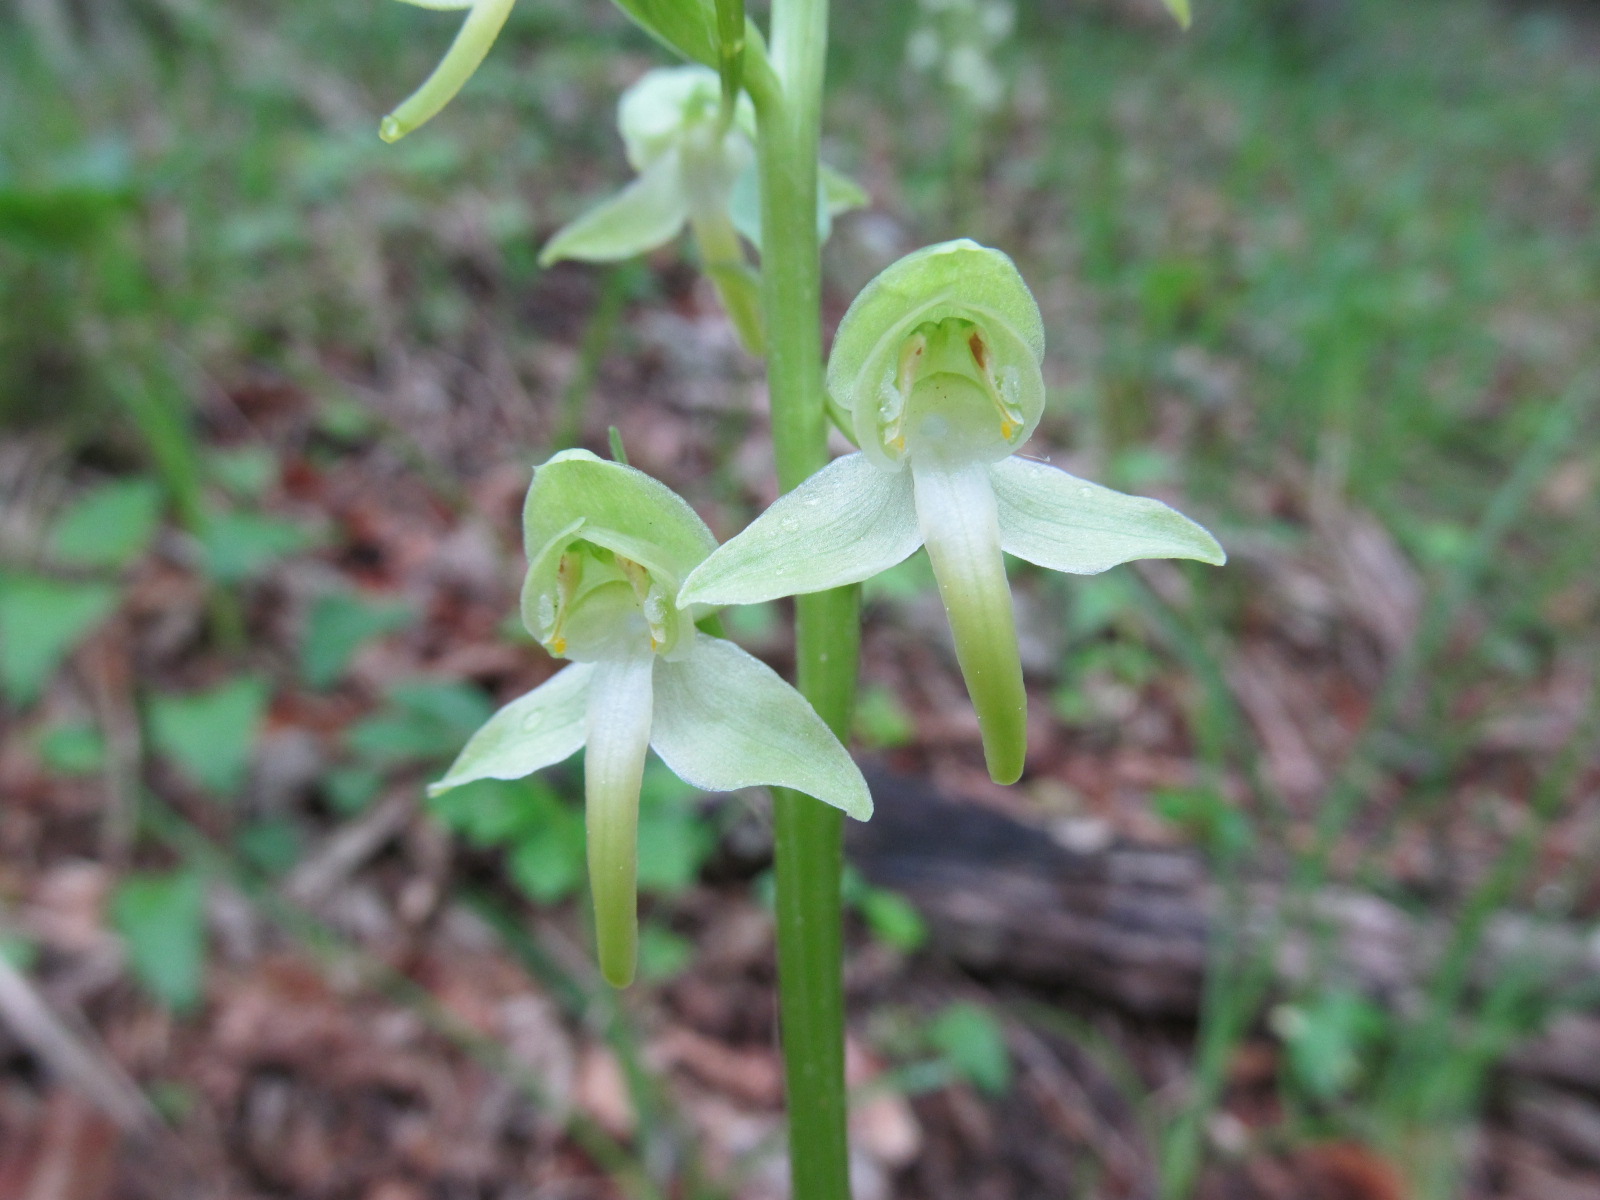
(789, 525)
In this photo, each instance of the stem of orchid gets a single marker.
(620, 712)
(956, 513)
(809, 834)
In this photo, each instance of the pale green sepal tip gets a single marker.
(485, 19)
(534, 731)
(725, 720)
(1180, 11)
(441, 5)
(649, 212)
(957, 514)
(848, 522)
(1063, 523)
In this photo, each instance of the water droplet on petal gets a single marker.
(789, 524)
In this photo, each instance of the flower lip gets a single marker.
(585, 601)
(948, 399)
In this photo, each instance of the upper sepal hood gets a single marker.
(946, 342)
(608, 548)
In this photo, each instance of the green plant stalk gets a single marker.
(787, 90)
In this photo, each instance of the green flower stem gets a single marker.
(809, 835)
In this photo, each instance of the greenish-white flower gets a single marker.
(695, 165)
(935, 370)
(608, 548)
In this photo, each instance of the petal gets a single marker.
(613, 765)
(649, 212)
(1064, 523)
(956, 512)
(477, 34)
(846, 523)
(725, 720)
(534, 731)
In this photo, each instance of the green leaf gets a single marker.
(663, 955)
(649, 212)
(687, 26)
(41, 622)
(846, 523)
(423, 721)
(974, 1045)
(1209, 817)
(110, 526)
(86, 191)
(673, 839)
(77, 749)
(1326, 1038)
(272, 845)
(547, 862)
(211, 735)
(1063, 523)
(351, 789)
(161, 919)
(485, 19)
(532, 732)
(893, 919)
(725, 720)
(18, 951)
(1180, 11)
(245, 471)
(337, 626)
(238, 546)
(881, 720)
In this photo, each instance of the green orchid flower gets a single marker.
(608, 548)
(935, 372)
(695, 160)
(485, 20)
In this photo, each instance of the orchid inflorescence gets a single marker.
(934, 375)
